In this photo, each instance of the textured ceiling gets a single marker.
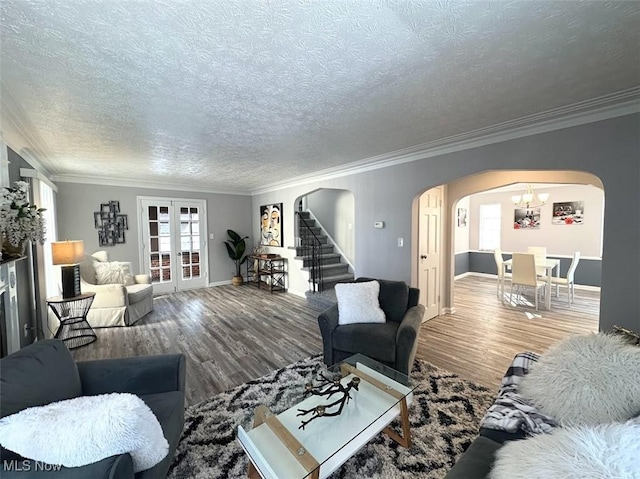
(239, 94)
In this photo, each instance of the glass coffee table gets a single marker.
(279, 447)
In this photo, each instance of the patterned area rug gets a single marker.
(444, 417)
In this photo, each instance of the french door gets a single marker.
(173, 243)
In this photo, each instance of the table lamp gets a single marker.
(68, 254)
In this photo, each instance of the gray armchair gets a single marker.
(393, 343)
(45, 372)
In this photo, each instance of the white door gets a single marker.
(173, 243)
(429, 251)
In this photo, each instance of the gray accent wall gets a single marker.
(334, 210)
(461, 263)
(77, 202)
(609, 149)
(588, 272)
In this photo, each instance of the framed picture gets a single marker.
(271, 225)
(122, 221)
(110, 224)
(462, 217)
(526, 218)
(568, 213)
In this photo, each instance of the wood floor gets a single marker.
(234, 334)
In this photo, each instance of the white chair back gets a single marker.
(540, 252)
(497, 256)
(523, 269)
(573, 266)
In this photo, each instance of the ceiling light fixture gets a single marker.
(529, 199)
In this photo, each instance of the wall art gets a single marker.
(271, 225)
(568, 213)
(110, 223)
(462, 217)
(526, 218)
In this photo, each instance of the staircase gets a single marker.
(332, 269)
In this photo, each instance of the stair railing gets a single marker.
(311, 247)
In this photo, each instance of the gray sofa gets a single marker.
(393, 343)
(45, 372)
(477, 460)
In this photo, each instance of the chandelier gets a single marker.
(529, 199)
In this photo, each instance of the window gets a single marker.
(490, 227)
(52, 273)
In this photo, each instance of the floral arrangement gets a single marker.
(19, 219)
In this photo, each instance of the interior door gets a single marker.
(173, 243)
(429, 251)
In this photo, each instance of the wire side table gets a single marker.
(74, 328)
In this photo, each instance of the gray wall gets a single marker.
(334, 210)
(588, 272)
(609, 149)
(77, 202)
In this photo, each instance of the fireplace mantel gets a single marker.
(10, 311)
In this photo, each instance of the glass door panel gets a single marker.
(173, 243)
(190, 245)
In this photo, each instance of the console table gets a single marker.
(267, 273)
(74, 330)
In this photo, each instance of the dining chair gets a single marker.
(497, 255)
(540, 252)
(523, 273)
(568, 280)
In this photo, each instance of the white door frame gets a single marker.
(142, 247)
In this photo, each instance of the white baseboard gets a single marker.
(219, 283)
(451, 310)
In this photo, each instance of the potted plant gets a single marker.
(236, 246)
(20, 220)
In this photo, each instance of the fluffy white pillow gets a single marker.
(586, 379)
(114, 272)
(87, 429)
(358, 303)
(606, 450)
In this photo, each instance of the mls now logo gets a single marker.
(26, 466)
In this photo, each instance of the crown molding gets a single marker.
(618, 104)
(145, 184)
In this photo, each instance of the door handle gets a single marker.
(423, 256)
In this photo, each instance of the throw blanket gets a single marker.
(511, 412)
(79, 431)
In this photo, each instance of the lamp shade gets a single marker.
(67, 252)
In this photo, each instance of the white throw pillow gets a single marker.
(358, 303)
(87, 429)
(606, 450)
(586, 379)
(114, 272)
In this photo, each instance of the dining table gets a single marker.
(548, 264)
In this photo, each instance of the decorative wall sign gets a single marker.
(111, 224)
(462, 217)
(568, 213)
(526, 218)
(271, 225)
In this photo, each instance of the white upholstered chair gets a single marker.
(523, 273)
(540, 253)
(116, 304)
(497, 256)
(568, 281)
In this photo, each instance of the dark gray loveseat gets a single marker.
(393, 343)
(45, 372)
